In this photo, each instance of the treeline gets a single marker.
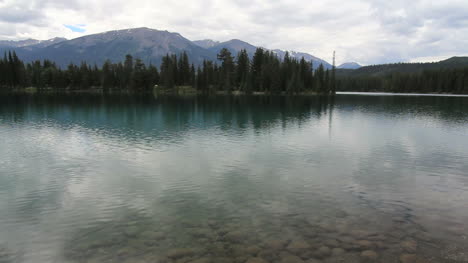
(387, 69)
(453, 81)
(265, 72)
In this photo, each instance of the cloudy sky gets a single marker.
(366, 31)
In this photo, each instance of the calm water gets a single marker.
(119, 179)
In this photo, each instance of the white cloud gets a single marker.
(365, 31)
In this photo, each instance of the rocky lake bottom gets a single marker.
(328, 236)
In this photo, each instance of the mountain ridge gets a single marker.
(148, 44)
(349, 65)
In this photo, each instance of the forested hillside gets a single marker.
(447, 76)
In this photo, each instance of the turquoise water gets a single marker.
(357, 178)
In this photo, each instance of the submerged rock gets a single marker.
(252, 250)
(275, 244)
(341, 214)
(256, 260)
(235, 236)
(267, 254)
(132, 231)
(159, 236)
(409, 246)
(323, 252)
(361, 234)
(222, 260)
(288, 258)
(202, 260)
(332, 243)
(201, 233)
(180, 253)
(240, 259)
(338, 251)
(408, 258)
(369, 256)
(181, 260)
(298, 246)
(365, 244)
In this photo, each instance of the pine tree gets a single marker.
(168, 72)
(128, 69)
(243, 67)
(257, 64)
(226, 69)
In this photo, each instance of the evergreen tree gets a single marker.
(257, 63)
(128, 70)
(226, 69)
(243, 68)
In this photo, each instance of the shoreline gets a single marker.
(189, 91)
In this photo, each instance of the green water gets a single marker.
(357, 178)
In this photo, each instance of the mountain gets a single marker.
(308, 57)
(45, 43)
(387, 69)
(19, 43)
(150, 45)
(349, 65)
(206, 43)
(236, 45)
(29, 43)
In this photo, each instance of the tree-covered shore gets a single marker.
(264, 73)
(447, 76)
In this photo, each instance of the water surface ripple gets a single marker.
(356, 178)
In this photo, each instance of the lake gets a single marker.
(356, 178)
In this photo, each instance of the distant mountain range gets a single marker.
(349, 65)
(150, 45)
(29, 44)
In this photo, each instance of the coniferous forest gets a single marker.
(263, 73)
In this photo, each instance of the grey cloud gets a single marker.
(368, 31)
(21, 14)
